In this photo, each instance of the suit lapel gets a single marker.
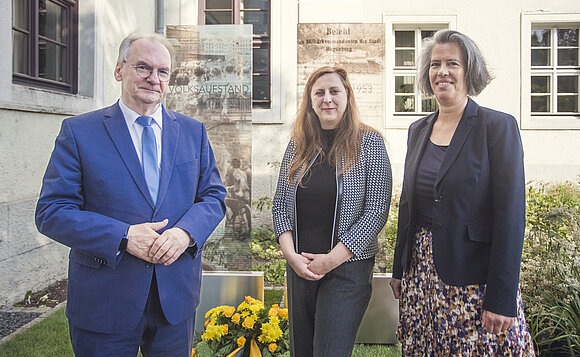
(459, 137)
(169, 143)
(119, 133)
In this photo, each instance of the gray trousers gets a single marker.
(325, 315)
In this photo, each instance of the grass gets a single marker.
(50, 338)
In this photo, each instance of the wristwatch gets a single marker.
(124, 241)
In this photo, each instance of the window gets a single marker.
(404, 42)
(257, 13)
(550, 71)
(555, 71)
(44, 35)
(407, 48)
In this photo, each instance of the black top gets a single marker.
(425, 182)
(315, 204)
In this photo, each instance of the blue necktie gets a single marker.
(149, 156)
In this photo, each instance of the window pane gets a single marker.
(404, 38)
(568, 57)
(404, 84)
(218, 18)
(260, 60)
(567, 84)
(568, 37)
(51, 61)
(405, 58)
(404, 103)
(541, 38)
(51, 20)
(20, 53)
(567, 103)
(261, 88)
(427, 34)
(255, 4)
(540, 84)
(541, 104)
(20, 14)
(218, 4)
(258, 19)
(540, 57)
(429, 104)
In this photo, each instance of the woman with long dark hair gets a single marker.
(331, 202)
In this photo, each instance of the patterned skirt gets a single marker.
(437, 319)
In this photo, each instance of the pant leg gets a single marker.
(93, 344)
(153, 334)
(160, 338)
(301, 310)
(343, 297)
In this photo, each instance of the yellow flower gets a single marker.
(245, 313)
(206, 323)
(272, 347)
(273, 312)
(249, 299)
(226, 329)
(236, 318)
(256, 308)
(244, 305)
(248, 323)
(209, 313)
(214, 332)
(283, 313)
(270, 331)
(229, 311)
(241, 341)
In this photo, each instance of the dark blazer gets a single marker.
(479, 205)
(94, 189)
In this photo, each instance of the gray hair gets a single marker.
(477, 76)
(125, 45)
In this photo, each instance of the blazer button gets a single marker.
(438, 199)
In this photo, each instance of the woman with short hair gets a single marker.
(461, 216)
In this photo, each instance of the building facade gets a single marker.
(59, 57)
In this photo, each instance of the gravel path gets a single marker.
(10, 321)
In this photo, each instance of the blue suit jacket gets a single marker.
(94, 189)
(479, 205)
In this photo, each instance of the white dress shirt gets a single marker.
(136, 129)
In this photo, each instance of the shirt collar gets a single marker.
(131, 115)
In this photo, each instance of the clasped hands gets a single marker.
(145, 243)
(314, 266)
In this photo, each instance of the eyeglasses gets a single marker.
(144, 71)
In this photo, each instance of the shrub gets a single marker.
(267, 255)
(550, 278)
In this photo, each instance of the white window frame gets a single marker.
(547, 120)
(399, 120)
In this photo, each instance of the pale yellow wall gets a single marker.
(29, 123)
(495, 26)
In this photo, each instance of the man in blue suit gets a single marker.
(134, 191)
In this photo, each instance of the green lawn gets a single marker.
(49, 338)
